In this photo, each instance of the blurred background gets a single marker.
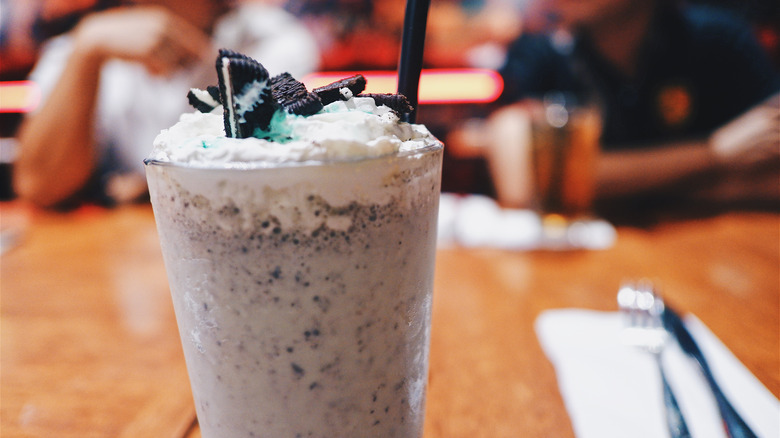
(361, 35)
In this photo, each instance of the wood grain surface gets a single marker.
(89, 345)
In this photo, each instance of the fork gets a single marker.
(642, 309)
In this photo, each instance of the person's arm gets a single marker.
(507, 150)
(57, 153)
(631, 172)
(736, 150)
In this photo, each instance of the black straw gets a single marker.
(412, 44)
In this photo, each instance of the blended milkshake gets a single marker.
(300, 257)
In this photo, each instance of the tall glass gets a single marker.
(303, 292)
(564, 146)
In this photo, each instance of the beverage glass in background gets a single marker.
(302, 291)
(564, 146)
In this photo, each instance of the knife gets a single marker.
(734, 424)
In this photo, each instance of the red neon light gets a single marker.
(19, 96)
(436, 85)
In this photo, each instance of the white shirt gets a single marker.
(134, 105)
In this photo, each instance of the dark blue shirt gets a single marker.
(699, 68)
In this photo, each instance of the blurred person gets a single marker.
(689, 100)
(119, 77)
(348, 30)
(460, 33)
(470, 33)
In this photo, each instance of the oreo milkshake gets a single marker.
(298, 230)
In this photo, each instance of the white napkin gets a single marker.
(613, 390)
(478, 221)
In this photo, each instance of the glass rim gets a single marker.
(267, 165)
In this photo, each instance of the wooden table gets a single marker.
(90, 346)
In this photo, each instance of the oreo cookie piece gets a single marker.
(213, 91)
(202, 100)
(245, 92)
(332, 92)
(306, 106)
(397, 102)
(286, 89)
(293, 96)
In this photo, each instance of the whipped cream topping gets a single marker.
(343, 130)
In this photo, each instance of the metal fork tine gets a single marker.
(642, 308)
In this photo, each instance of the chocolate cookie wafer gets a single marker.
(202, 100)
(293, 96)
(245, 92)
(332, 92)
(397, 102)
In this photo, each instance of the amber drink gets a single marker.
(564, 148)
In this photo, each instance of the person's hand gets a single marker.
(149, 35)
(752, 138)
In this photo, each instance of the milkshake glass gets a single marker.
(302, 291)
